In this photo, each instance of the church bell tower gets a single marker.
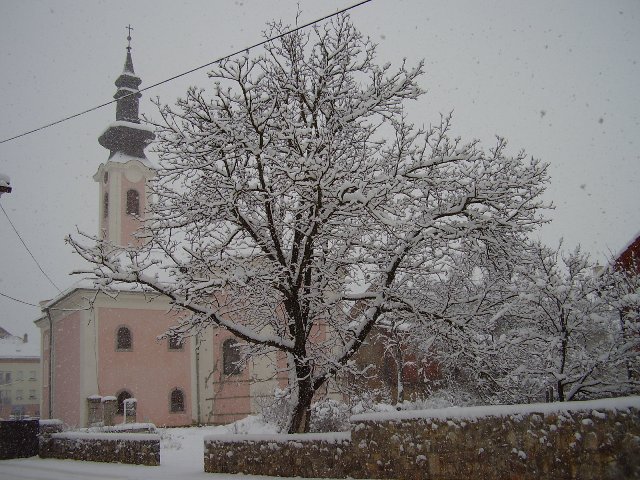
(123, 177)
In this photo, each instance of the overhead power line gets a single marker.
(18, 300)
(24, 302)
(226, 57)
(27, 248)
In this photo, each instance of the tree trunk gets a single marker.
(399, 380)
(560, 388)
(301, 414)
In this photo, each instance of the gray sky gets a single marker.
(557, 78)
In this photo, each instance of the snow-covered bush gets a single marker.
(329, 415)
(276, 410)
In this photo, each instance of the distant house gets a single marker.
(94, 344)
(629, 258)
(19, 376)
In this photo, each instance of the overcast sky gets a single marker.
(556, 78)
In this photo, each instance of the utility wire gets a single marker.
(34, 305)
(43, 272)
(226, 57)
(25, 246)
(18, 300)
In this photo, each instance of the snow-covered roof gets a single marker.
(123, 123)
(86, 284)
(4, 180)
(16, 347)
(623, 250)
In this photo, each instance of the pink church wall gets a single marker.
(66, 370)
(150, 371)
(131, 223)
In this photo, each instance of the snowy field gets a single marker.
(181, 454)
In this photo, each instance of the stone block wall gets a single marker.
(305, 455)
(18, 438)
(574, 440)
(132, 448)
(580, 440)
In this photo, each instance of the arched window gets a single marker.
(123, 339)
(122, 396)
(133, 202)
(177, 401)
(231, 357)
(105, 205)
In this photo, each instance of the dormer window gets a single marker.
(133, 202)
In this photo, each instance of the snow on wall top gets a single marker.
(107, 436)
(16, 347)
(331, 437)
(50, 421)
(472, 413)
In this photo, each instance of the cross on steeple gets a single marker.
(129, 27)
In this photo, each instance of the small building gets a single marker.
(629, 257)
(19, 376)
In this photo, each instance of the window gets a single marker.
(175, 342)
(32, 394)
(122, 396)
(7, 377)
(123, 339)
(20, 376)
(19, 394)
(133, 202)
(105, 205)
(2, 378)
(177, 400)
(231, 357)
(5, 397)
(32, 375)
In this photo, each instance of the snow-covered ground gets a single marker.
(181, 454)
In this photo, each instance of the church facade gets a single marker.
(98, 345)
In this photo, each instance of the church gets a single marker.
(95, 345)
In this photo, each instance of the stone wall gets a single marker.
(574, 440)
(584, 440)
(18, 438)
(132, 448)
(305, 455)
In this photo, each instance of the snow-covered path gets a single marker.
(181, 457)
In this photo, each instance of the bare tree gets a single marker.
(298, 189)
(577, 320)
